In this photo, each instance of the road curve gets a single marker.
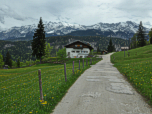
(101, 89)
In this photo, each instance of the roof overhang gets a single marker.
(90, 47)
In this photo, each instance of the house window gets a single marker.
(84, 51)
(73, 51)
(75, 45)
(80, 45)
(77, 51)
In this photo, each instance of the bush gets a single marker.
(27, 63)
(21, 64)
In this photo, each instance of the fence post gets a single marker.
(40, 84)
(124, 52)
(87, 62)
(90, 61)
(65, 71)
(83, 63)
(79, 64)
(73, 67)
(128, 54)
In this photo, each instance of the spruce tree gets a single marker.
(150, 36)
(151, 40)
(38, 43)
(3, 55)
(10, 63)
(98, 49)
(18, 63)
(134, 41)
(8, 59)
(3, 59)
(141, 36)
(110, 46)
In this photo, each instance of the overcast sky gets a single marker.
(83, 12)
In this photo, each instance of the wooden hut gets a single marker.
(5, 66)
(124, 48)
(104, 52)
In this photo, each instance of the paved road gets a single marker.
(102, 90)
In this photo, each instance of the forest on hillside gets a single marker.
(22, 50)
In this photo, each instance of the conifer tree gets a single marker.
(150, 36)
(1, 61)
(18, 63)
(98, 49)
(10, 63)
(8, 60)
(3, 55)
(141, 36)
(111, 47)
(151, 40)
(134, 41)
(38, 43)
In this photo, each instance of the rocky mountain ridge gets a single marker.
(124, 30)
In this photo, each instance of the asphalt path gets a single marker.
(102, 89)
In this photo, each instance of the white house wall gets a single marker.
(76, 54)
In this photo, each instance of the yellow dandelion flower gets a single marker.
(41, 100)
(44, 102)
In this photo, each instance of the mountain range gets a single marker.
(124, 30)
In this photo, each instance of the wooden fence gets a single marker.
(40, 81)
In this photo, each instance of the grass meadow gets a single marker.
(19, 87)
(137, 68)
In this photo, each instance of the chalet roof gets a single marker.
(86, 43)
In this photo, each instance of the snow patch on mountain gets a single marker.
(50, 32)
(63, 28)
(23, 32)
(115, 30)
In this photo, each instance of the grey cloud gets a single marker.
(67, 18)
(6, 11)
(74, 11)
(136, 8)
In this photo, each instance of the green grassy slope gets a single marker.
(19, 88)
(137, 69)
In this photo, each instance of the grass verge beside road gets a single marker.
(137, 69)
